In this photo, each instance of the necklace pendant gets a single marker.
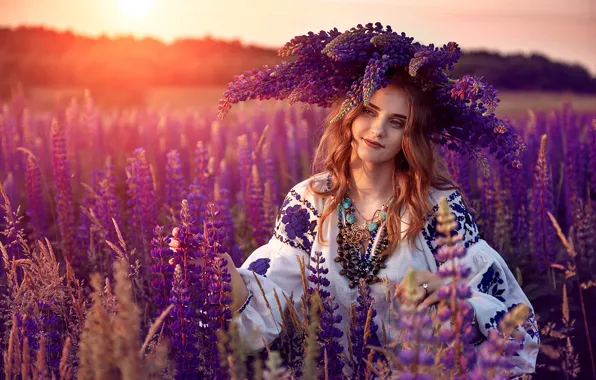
(372, 226)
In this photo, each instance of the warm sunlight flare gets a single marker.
(136, 8)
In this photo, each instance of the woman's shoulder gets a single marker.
(451, 194)
(301, 195)
(465, 223)
(321, 181)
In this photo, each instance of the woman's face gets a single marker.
(382, 122)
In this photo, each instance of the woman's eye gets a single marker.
(397, 123)
(368, 111)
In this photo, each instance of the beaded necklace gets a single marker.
(358, 261)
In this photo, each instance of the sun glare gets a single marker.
(136, 8)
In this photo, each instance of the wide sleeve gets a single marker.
(495, 290)
(276, 267)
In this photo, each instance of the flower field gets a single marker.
(90, 288)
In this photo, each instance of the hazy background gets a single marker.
(215, 35)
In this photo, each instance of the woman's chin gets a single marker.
(372, 159)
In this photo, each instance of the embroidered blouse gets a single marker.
(494, 288)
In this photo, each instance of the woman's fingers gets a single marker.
(430, 300)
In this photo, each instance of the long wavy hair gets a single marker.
(418, 166)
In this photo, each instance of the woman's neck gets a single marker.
(371, 183)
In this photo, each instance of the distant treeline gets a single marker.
(37, 56)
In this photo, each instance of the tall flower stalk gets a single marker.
(541, 204)
(63, 189)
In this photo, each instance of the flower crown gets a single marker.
(353, 64)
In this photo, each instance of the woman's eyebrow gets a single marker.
(395, 114)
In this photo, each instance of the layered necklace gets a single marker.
(355, 242)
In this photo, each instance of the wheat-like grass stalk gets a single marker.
(154, 327)
(570, 271)
(63, 368)
(126, 324)
(309, 368)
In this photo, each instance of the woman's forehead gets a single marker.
(391, 99)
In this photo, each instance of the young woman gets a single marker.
(371, 208)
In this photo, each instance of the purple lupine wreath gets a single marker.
(333, 65)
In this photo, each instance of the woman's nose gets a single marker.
(377, 128)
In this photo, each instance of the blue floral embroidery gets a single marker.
(260, 266)
(296, 222)
(465, 224)
(530, 325)
(491, 279)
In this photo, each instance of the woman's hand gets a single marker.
(432, 292)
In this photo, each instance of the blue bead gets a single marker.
(384, 215)
(372, 226)
(350, 218)
(346, 202)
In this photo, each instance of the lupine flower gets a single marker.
(592, 155)
(182, 327)
(175, 189)
(543, 234)
(142, 200)
(107, 209)
(33, 185)
(329, 333)
(245, 164)
(256, 213)
(200, 189)
(64, 210)
(416, 332)
(161, 268)
(571, 181)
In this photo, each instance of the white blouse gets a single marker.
(494, 288)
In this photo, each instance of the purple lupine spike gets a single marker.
(217, 142)
(200, 189)
(216, 290)
(458, 168)
(33, 185)
(571, 182)
(460, 332)
(543, 232)
(141, 204)
(175, 182)
(219, 284)
(487, 212)
(519, 197)
(162, 269)
(63, 188)
(256, 213)
(363, 303)
(271, 189)
(222, 203)
(329, 333)
(83, 238)
(8, 129)
(592, 155)
(245, 163)
(107, 209)
(182, 327)
(188, 294)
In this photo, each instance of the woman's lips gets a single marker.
(372, 144)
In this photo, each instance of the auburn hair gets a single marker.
(418, 164)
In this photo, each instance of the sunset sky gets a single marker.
(561, 30)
